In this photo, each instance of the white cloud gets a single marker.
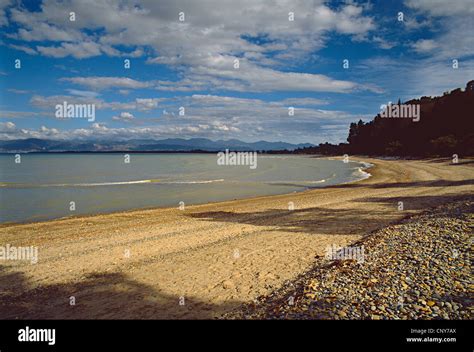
(414, 77)
(382, 43)
(412, 23)
(42, 31)
(424, 45)
(218, 71)
(102, 132)
(213, 35)
(7, 126)
(25, 49)
(3, 15)
(49, 132)
(18, 114)
(304, 101)
(50, 102)
(124, 116)
(80, 50)
(455, 19)
(100, 83)
(83, 93)
(208, 116)
(442, 7)
(84, 97)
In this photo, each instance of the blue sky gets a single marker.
(190, 64)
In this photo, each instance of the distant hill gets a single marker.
(146, 145)
(446, 127)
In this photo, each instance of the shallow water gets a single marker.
(43, 186)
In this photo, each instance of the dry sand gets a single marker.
(211, 257)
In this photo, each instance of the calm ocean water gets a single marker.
(43, 186)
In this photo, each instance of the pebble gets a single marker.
(406, 275)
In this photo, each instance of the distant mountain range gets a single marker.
(145, 145)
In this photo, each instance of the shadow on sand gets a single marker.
(318, 220)
(310, 220)
(419, 202)
(449, 161)
(99, 296)
(434, 183)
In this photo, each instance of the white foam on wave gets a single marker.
(360, 171)
(136, 182)
(193, 182)
(97, 184)
(297, 181)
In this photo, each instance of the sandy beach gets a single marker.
(207, 260)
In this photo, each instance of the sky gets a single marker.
(232, 68)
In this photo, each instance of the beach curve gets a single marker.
(211, 257)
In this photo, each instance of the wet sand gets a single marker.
(206, 260)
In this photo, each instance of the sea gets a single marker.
(43, 186)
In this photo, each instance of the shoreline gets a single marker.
(166, 207)
(218, 256)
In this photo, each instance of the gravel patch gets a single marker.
(418, 269)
